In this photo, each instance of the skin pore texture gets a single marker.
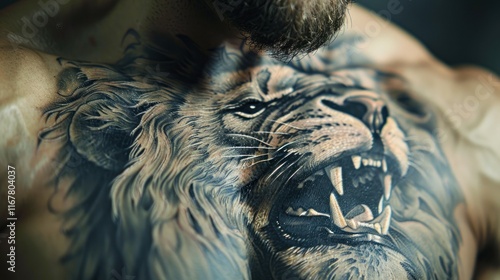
(170, 151)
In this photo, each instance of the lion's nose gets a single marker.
(371, 110)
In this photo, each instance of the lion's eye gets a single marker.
(250, 109)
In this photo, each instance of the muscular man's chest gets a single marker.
(344, 168)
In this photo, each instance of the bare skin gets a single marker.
(465, 101)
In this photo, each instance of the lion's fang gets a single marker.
(383, 220)
(386, 219)
(380, 204)
(335, 175)
(336, 213)
(387, 186)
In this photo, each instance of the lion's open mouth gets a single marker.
(346, 201)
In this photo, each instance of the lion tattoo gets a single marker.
(231, 165)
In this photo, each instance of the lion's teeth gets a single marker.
(310, 212)
(360, 213)
(314, 213)
(385, 221)
(387, 186)
(362, 180)
(355, 183)
(336, 213)
(356, 161)
(299, 212)
(380, 224)
(380, 204)
(335, 175)
(302, 213)
(353, 224)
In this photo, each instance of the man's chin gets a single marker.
(286, 28)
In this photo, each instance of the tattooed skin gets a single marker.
(231, 165)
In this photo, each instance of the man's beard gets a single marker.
(286, 27)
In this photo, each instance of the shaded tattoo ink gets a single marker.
(230, 165)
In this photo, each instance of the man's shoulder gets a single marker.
(383, 43)
(25, 72)
(28, 83)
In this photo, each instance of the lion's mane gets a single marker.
(147, 195)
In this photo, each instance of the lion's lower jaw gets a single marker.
(366, 261)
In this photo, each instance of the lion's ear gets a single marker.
(100, 132)
(97, 114)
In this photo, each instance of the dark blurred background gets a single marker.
(4, 3)
(455, 31)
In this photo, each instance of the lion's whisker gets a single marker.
(261, 161)
(272, 158)
(271, 132)
(291, 176)
(200, 111)
(279, 167)
(276, 170)
(250, 137)
(240, 156)
(285, 124)
(289, 144)
(285, 170)
(248, 147)
(236, 156)
(254, 157)
(283, 158)
(283, 147)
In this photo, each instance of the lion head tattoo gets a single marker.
(230, 165)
